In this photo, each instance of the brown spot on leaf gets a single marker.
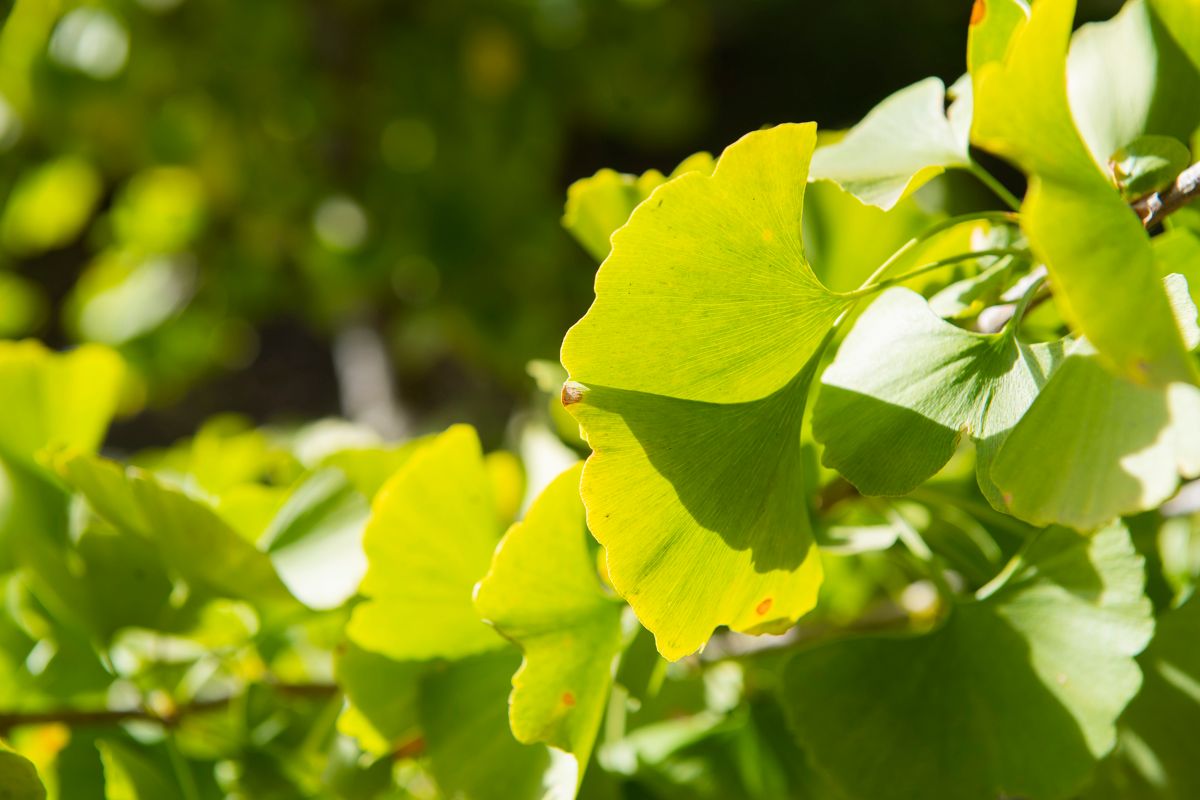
(763, 607)
(572, 393)
(568, 700)
(978, 12)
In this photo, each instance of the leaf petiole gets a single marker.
(989, 180)
(934, 265)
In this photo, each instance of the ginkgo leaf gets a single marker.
(1103, 268)
(1147, 164)
(381, 697)
(19, 778)
(472, 753)
(191, 538)
(598, 205)
(684, 494)
(431, 534)
(1094, 446)
(543, 593)
(1182, 19)
(695, 476)
(1126, 78)
(994, 23)
(1155, 757)
(1015, 694)
(909, 379)
(709, 282)
(52, 400)
(902, 144)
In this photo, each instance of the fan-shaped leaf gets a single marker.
(902, 144)
(907, 378)
(1102, 268)
(1016, 694)
(543, 593)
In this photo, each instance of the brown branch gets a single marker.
(1154, 207)
(84, 718)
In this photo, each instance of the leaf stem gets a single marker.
(1011, 568)
(1014, 322)
(989, 180)
(934, 265)
(934, 230)
(917, 545)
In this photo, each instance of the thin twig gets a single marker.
(1154, 207)
(85, 718)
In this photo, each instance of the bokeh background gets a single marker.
(291, 209)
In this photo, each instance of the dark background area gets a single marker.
(436, 139)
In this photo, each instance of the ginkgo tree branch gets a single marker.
(1155, 207)
(85, 718)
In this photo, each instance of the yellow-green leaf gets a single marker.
(430, 537)
(1102, 266)
(543, 593)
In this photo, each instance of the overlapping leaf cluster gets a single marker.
(933, 436)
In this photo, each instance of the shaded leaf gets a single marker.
(906, 378)
(18, 778)
(196, 543)
(1015, 694)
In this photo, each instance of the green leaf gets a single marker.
(902, 144)
(1155, 757)
(1182, 19)
(52, 400)
(18, 778)
(543, 593)
(994, 23)
(707, 294)
(1015, 694)
(472, 753)
(381, 697)
(683, 494)
(1126, 78)
(315, 539)
(598, 205)
(1103, 271)
(1178, 252)
(1148, 163)
(50, 205)
(432, 531)
(196, 543)
(1094, 446)
(693, 365)
(909, 379)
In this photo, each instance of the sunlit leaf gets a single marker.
(903, 143)
(1103, 271)
(430, 538)
(695, 476)
(906, 378)
(1126, 78)
(598, 205)
(1015, 694)
(1182, 19)
(543, 593)
(49, 206)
